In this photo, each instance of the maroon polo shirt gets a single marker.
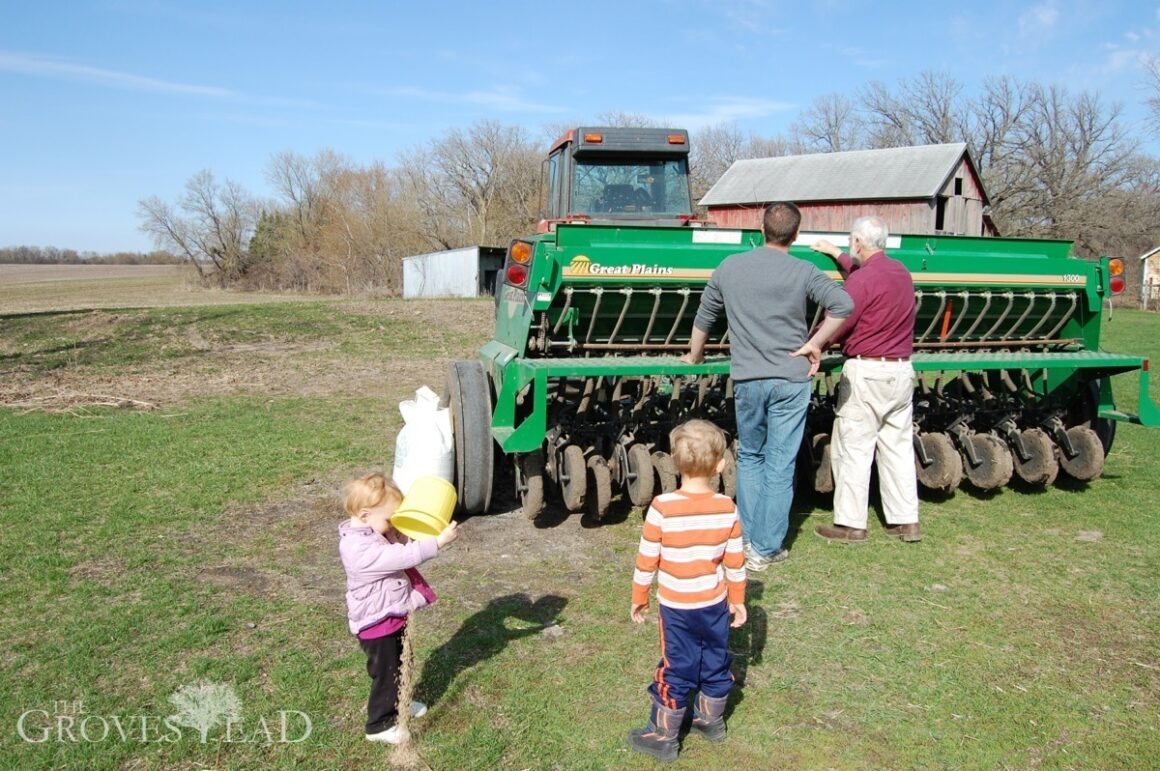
(882, 323)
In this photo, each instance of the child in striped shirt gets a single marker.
(692, 544)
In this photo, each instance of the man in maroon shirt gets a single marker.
(873, 416)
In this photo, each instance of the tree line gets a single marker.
(51, 255)
(1056, 164)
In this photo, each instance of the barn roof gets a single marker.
(864, 175)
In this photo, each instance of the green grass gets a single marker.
(144, 551)
(116, 339)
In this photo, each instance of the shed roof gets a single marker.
(865, 175)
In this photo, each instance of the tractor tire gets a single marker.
(1041, 468)
(1088, 462)
(995, 464)
(530, 483)
(468, 397)
(641, 477)
(573, 478)
(945, 470)
(599, 495)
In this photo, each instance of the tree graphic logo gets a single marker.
(205, 705)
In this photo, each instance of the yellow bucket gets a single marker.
(426, 508)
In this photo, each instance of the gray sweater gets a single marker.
(764, 294)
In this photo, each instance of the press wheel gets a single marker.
(729, 474)
(530, 483)
(823, 472)
(641, 476)
(666, 471)
(1088, 462)
(945, 470)
(573, 477)
(599, 495)
(995, 466)
(468, 397)
(1041, 466)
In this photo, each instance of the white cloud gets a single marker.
(728, 109)
(38, 66)
(500, 98)
(1039, 20)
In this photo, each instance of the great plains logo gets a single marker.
(581, 265)
(204, 707)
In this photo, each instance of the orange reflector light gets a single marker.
(1117, 284)
(517, 275)
(1115, 266)
(521, 251)
(594, 138)
(676, 139)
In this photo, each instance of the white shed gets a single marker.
(466, 272)
(1150, 278)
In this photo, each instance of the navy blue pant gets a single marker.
(694, 655)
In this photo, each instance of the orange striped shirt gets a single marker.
(691, 543)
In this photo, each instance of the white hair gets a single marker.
(872, 231)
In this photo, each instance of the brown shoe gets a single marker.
(908, 533)
(840, 533)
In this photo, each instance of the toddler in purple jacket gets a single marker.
(382, 587)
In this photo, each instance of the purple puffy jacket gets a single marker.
(376, 586)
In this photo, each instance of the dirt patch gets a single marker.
(288, 548)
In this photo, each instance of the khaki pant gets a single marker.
(874, 416)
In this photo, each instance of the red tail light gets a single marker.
(517, 274)
(1117, 284)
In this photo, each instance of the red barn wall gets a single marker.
(900, 216)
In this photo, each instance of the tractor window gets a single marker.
(631, 188)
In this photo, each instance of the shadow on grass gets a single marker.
(482, 636)
(747, 643)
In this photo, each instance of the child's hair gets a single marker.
(369, 491)
(697, 447)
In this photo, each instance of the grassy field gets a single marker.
(187, 536)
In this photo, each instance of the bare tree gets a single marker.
(927, 109)
(715, 148)
(1152, 66)
(476, 186)
(830, 125)
(211, 223)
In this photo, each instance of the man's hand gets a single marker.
(811, 352)
(825, 247)
(740, 615)
(693, 358)
(449, 534)
(637, 613)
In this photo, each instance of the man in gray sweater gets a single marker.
(763, 293)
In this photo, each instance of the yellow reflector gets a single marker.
(676, 139)
(596, 138)
(1115, 266)
(521, 251)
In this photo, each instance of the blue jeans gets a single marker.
(771, 416)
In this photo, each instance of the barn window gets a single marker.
(940, 212)
(958, 185)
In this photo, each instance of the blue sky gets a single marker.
(107, 102)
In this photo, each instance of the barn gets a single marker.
(924, 189)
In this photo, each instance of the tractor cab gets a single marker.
(636, 176)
